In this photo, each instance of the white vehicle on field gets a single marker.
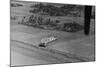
(45, 41)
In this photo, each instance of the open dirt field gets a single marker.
(68, 48)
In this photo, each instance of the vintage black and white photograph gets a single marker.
(44, 33)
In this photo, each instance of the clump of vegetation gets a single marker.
(72, 27)
(13, 17)
(40, 22)
(15, 5)
(52, 10)
(40, 5)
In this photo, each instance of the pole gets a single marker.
(88, 12)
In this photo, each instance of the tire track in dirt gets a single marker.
(62, 57)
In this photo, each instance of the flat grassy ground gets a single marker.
(69, 47)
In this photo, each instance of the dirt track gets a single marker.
(25, 42)
(69, 47)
